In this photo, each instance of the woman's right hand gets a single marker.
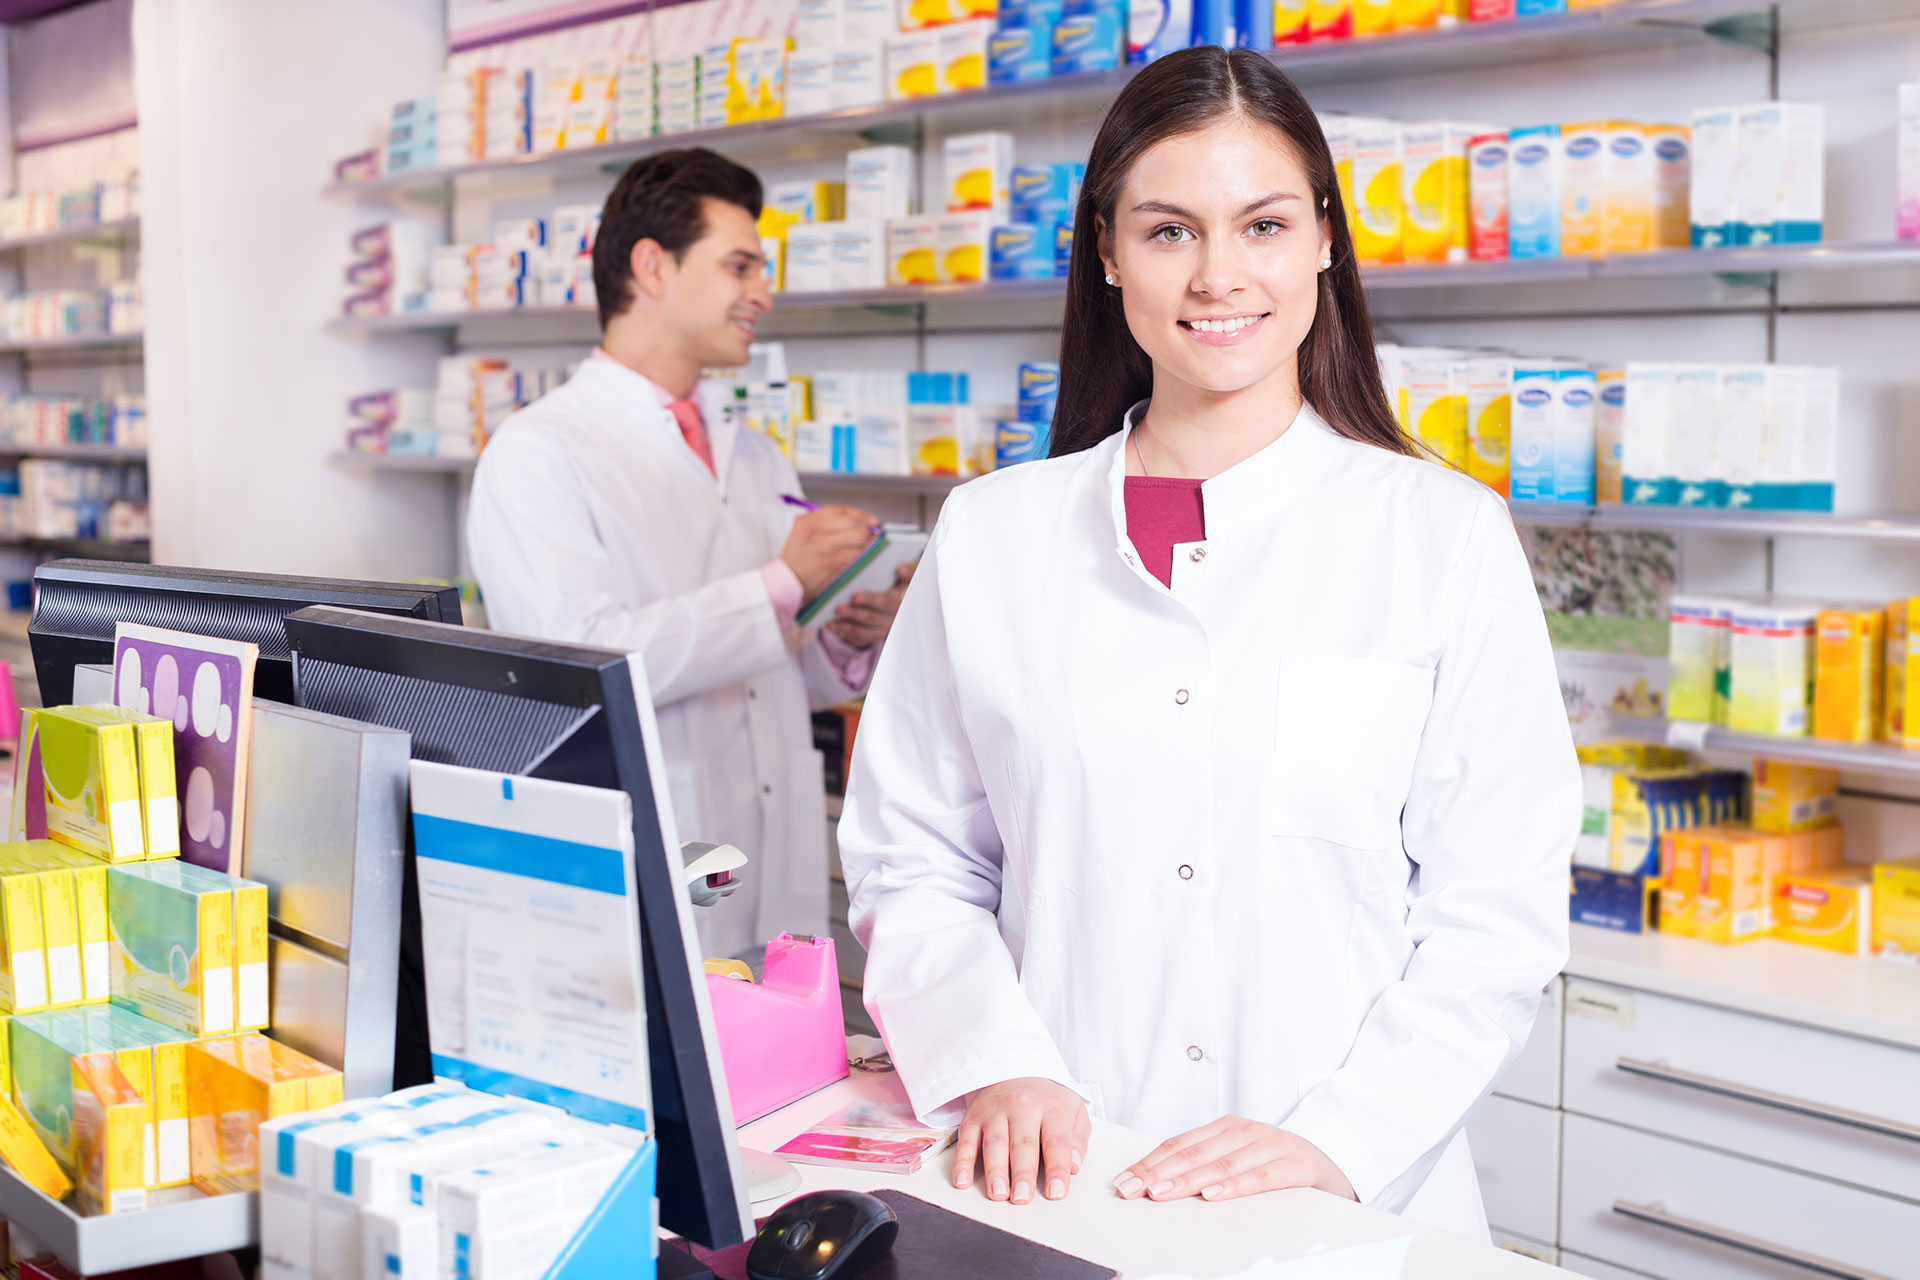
(1020, 1130)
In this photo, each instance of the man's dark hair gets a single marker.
(659, 199)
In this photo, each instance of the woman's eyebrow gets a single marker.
(1175, 211)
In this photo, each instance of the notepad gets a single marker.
(873, 571)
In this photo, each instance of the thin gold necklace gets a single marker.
(1138, 456)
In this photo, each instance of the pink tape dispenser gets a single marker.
(783, 1037)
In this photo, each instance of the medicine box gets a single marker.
(1531, 430)
(1608, 433)
(1779, 186)
(235, 1084)
(92, 770)
(1771, 652)
(1094, 41)
(1022, 251)
(880, 182)
(859, 75)
(913, 65)
(858, 254)
(1063, 249)
(961, 242)
(1712, 216)
(1698, 632)
(1160, 27)
(940, 425)
(172, 948)
(796, 202)
(159, 798)
(1793, 797)
(1645, 439)
(1583, 170)
(28, 1156)
(979, 169)
(1376, 187)
(1487, 169)
(1848, 683)
(1693, 417)
(1735, 901)
(911, 251)
(1533, 196)
(23, 956)
(809, 257)
(1832, 910)
(1893, 701)
(810, 81)
(1435, 189)
(250, 983)
(1489, 419)
(1045, 193)
(1896, 909)
(57, 1081)
(1016, 55)
(960, 52)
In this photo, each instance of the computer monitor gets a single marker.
(77, 602)
(570, 713)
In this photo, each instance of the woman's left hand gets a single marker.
(1231, 1157)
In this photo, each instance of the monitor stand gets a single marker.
(675, 1263)
(769, 1177)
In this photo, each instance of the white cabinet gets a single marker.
(1681, 1212)
(1829, 1104)
(1516, 1151)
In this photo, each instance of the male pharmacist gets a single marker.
(624, 509)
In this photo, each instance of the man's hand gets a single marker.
(1229, 1158)
(1018, 1129)
(866, 618)
(823, 543)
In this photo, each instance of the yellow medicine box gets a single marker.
(109, 1119)
(172, 947)
(1793, 797)
(90, 906)
(1742, 868)
(1894, 663)
(1831, 909)
(233, 1086)
(92, 769)
(1378, 201)
(1683, 878)
(23, 954)
(28, 1156)
(1848, 647)
(159, 791)
(1896, 909)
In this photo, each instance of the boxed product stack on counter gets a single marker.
(793, 204)
(856, 251)
(1759, 174)
(390, 269)
(1761, 437)
(1029, 436)
(435, 1181)
(1633, 795)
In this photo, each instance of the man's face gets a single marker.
(716, 294)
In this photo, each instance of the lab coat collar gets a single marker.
(1248, 492)
(612, 381)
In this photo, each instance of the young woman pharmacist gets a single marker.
(1216, 777)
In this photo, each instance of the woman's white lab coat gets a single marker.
(592, 521)
(1288, 841)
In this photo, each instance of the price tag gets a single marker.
(1688, 735)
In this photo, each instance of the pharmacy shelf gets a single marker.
(72, 452)
(1859, 758)
(364, 460)
(120, 229)
(85, 549)
(906, 486)
(1826, 258)
(190, 1226)
(1856, 995)
(90, 342)
(1733, 524)
(1627, 24)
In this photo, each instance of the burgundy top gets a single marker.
(1162, 512)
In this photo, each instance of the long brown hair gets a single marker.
(1103, 371)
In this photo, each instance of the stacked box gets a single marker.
(235, 1085)
(159, 789)
(1896, 909)
(172, 947)
(83, 1108)
(93, 783)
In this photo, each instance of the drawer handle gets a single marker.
(1655, 1216)
(1778, 1101)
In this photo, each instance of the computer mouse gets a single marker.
(824, 1235)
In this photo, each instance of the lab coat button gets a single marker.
(1193, 1053)
(1186, 872)
(766, 790)
(1198, 554)
(1180, 696)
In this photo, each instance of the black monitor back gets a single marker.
(77, 602)
(567, 713)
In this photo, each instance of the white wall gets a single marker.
(243, 108)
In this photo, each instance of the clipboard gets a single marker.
(873, 571)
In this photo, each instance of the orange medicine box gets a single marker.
(1742, 867)
(1831, 909)
(234, 1084)
(109, 1120)
(1893, 716)
(1896, 909)
(1683, 877)
(1848, 685)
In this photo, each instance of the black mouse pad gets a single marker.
(938, 1244)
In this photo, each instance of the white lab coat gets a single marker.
(593, 521)
(1288, 841)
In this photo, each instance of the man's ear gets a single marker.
(649, 262)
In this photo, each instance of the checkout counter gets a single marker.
(1139, 1238)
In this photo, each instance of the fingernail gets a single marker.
(1118, 1178)
(1076, 1162)
(1128, 1186)
(1022, 1192)
(964, 1181)
(999, 1189)
(1211, 1192)
(1159, 1189)
(1056, 1189)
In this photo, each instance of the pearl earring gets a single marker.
(1326, 262)
(1111, 278)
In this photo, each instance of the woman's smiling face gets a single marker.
(1217, 244)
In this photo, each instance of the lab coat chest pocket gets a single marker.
(1346, 732)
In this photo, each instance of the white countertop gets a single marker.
(1858, 995)
(1140, 1237)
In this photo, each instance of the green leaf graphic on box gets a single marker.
(66, 757)
(149, 923)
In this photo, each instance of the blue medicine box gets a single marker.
(1019, 54)
(1090, 41)
(1022, 251)
(1062, 248)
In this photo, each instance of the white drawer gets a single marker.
(1535, 1074)
(1830, 1104)
(1535, 1249)
(1751, 1207)
(1516, 1152)
(1595, 1268)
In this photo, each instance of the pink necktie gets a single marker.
(687, 414)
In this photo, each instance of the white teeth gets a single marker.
(1222, 326)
